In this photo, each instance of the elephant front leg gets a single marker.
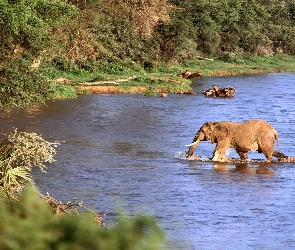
(243, 154)
(219, 153)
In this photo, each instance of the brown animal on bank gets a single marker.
(162, 94)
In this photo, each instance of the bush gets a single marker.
(20, 152)
(38, 228)
(26, 25)
(21, 85)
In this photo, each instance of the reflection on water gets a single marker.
(128, 151)
(244, 168)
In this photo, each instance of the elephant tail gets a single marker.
(278, 154)
(278, 142)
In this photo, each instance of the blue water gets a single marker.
(125, 152)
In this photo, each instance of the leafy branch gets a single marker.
(20, 152)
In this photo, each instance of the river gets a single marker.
(126, 153)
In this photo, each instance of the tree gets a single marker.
(26, 25)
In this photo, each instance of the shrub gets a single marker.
(20, 152)
(21, 85)
(38, 228)
(26, 25)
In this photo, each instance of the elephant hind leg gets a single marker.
(268, 156)
(267, 149)
(279, 155)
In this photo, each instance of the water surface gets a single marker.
(126, 152)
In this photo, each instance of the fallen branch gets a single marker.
(118, 81)
(204, 58)
(61, 209)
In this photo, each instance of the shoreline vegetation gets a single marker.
(61, 49)
(163, 78)
(93, 44)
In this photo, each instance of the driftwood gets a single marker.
(204, 58)
(118, 81)
(60, 209)
(215, 91)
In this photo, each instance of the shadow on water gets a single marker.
(121, 149)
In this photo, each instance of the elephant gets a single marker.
(251, 135)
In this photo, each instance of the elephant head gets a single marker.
(213, 131)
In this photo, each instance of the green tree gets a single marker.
(26, 25)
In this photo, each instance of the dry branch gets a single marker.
(204, 58)
(118, 81)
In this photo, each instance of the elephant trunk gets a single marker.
(192, 148)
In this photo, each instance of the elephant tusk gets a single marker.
(194, 143)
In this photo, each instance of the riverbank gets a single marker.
(165, 78)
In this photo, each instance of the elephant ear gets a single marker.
(220, 132)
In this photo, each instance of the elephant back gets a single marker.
(257, 129)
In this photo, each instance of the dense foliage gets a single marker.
(192, 28)
(152, 30)
(30, 224)
(101, 36)
(255, 26)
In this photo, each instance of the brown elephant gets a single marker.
(251, 135)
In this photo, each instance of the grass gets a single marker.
(164, 78)
(249, 65)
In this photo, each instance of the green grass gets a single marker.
(247, 65)
(164, 77)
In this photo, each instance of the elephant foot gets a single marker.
(279, 155)
(193, 156)
(221, 158)
(268, 160)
